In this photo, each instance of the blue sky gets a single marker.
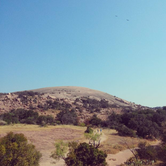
(114, 46)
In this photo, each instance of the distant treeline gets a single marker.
(142, 123)
(32, 117)
(26, 116)
(27, 93)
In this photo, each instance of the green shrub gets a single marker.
(82, 124)
(15, 151)
(20, 116)
(60, 151)
(125, 131)
(58, 122)
(42, 120)
(86, 155)
(147, 152)
(95, 121)
(67, 117)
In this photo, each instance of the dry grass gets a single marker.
(115, 143)
(44, 138)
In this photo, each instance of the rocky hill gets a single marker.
(52, 100)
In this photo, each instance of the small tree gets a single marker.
(67, 117)
(94, 139)
(86, 155)
(125, 131)
(95, 121)
(15, 150)
(60, 151)
(79, 154)
(146, 151)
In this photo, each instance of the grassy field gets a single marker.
(115, 143)
(44, 138)
(112, 144)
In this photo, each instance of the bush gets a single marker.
(147, 152)
(60, 151)
(113, 121)
(95, 121)
(82, 124)
(125, 131)
(86, 155)
(162, 149)
(10, 118)
(43, 120)
(20, 116)
(94, 139)
(67, 117)
(15, 151)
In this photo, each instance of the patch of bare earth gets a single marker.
(44, 139)
(118, 147)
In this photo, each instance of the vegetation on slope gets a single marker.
(142, 123)
(15, 150)
(75, 154)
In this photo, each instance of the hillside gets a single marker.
(51, 100)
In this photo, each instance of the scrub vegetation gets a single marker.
(15, 150)
(130, 126)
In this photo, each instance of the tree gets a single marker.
(95, 121)
(43, 120)
(146, 151)
(20, 116)
(162, 153)
(79, 154)
(114, 120)
(94, 139)
(60, 151)
(125, 131)
(164, 108)
(15, 151)
(86, 155)
(67, 117)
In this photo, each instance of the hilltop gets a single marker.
(52, 100)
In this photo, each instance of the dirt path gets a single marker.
(119, 158)
(122, 156)
(103, 137)
(44, 138)
(62, 163)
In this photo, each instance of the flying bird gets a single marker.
(127, 19)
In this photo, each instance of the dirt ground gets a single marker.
(44, 138)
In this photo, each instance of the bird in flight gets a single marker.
(117, 16)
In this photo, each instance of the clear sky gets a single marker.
(115, 46)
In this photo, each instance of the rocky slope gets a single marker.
(51, 100)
